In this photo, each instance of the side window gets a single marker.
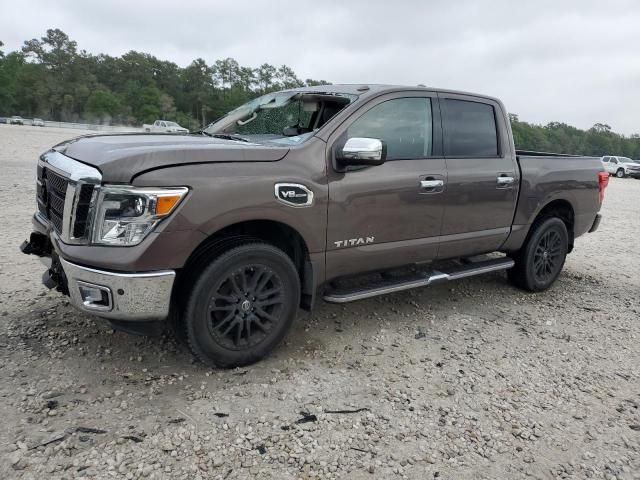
(614, 160)
(470, 129)
(606, 159)
(162, 124)
(405, 124)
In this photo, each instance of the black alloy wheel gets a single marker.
(241, 305)
(540, 260)
(549, 256)
(245, 306)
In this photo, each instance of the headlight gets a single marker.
(125, 215)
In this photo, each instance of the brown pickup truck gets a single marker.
(347, 191)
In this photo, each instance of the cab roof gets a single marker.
(367, 89)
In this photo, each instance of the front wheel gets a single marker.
(242, 305)
(539, 262)
(620, 173)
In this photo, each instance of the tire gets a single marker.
(620, 173)
(241, 305)
(540, 260)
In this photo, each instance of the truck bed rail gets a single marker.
(531, 153)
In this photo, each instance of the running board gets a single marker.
(420, 279)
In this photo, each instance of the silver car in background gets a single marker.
(621, 166)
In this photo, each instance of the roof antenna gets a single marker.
(363, 88)
(421, 85)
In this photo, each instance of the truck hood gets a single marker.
(121, 157)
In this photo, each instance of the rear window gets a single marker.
(470, 129)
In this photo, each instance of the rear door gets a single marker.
(385, 216)
(482, 176)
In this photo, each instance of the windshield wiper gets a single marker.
(225, 136)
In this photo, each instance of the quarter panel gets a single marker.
(545, 179)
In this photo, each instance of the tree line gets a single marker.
(52, 79)
(562, 138)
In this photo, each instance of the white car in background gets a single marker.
(621, 166)
(164, 126)
(37, 122)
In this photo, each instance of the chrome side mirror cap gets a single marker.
(363, 151)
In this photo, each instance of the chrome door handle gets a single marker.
(431, 183)
(505, 180)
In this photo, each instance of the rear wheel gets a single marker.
(242, 305)
(541, 259)
(620, 173)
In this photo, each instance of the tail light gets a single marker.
(603, 181)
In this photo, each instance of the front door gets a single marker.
(385, 216)
(613, 165)
(483, 177)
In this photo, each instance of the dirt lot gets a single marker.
(466, 380)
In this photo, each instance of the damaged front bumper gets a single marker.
(142, 296)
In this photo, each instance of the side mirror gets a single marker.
(363, 151)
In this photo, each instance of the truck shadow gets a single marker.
(55, 330)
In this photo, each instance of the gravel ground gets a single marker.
(469, 380)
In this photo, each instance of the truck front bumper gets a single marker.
(119, 296)
(143, 296)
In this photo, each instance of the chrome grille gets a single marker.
(66, 190)
(52, 193)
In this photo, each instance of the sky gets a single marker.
(576, 62)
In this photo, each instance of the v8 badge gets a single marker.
(294, 194)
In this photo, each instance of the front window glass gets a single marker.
(404, 124)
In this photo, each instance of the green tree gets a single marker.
(102, 104)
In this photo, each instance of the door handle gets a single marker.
(505, 180)
(431, 183)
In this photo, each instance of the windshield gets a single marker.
(281, 117)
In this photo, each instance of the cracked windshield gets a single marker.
(288, 118)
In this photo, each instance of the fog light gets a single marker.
(95, 297)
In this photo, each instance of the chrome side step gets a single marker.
(420, 279)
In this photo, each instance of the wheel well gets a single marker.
(563, 210)
(275, 233)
